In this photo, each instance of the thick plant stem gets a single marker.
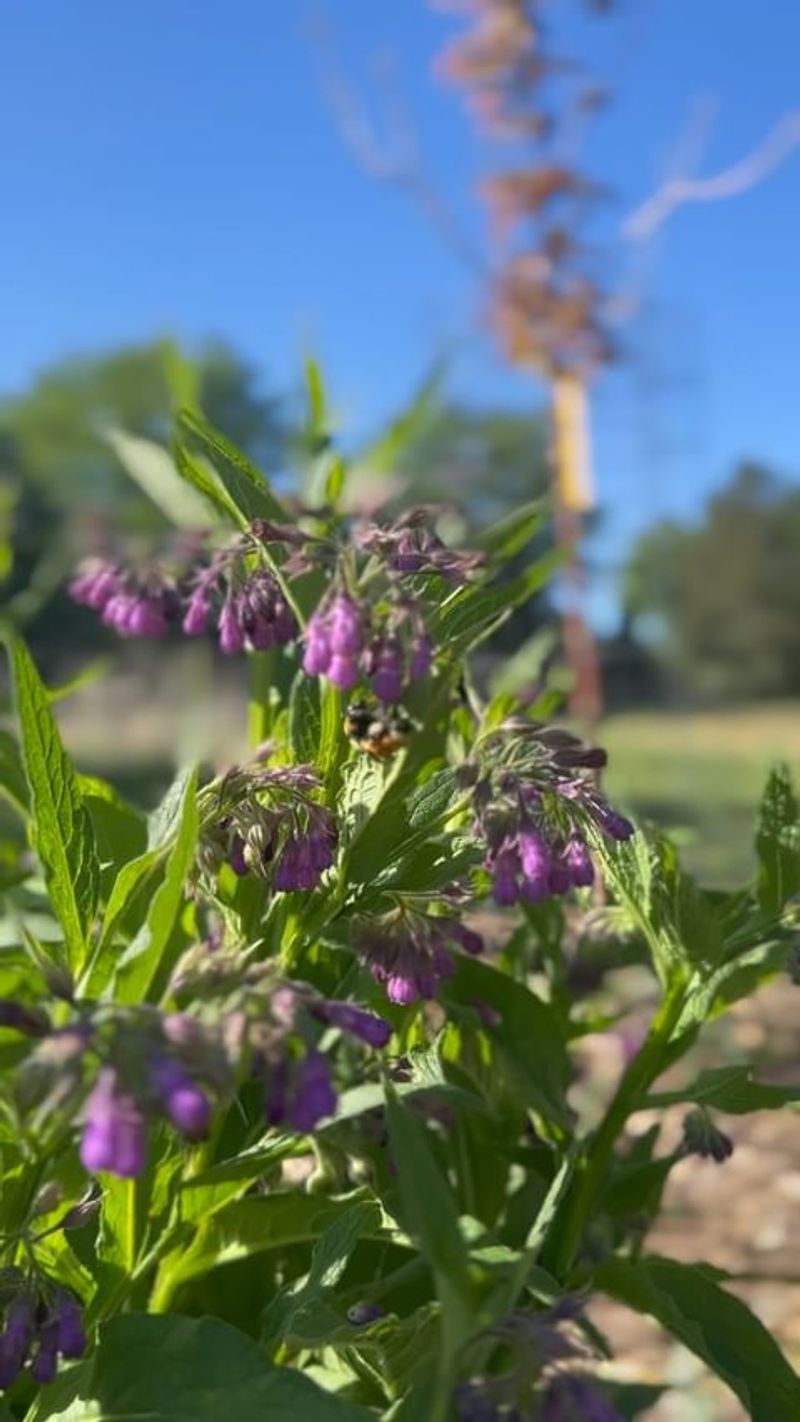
(565, 1235)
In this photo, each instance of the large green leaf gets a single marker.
(401, 823)
(717, 1326)
(778, 841)
(730, 1089)
(677, 919)
(432, 1217)
(304, 1310)
(514, 531)
(173, 1369)
(202, 1195)
(242, 480)
(305, 719)
(197, 472)
(164, 822)
(61, 829)
(471, 613)
(528, 1039)
(144, 962)
(153, 469)
(254, 1226)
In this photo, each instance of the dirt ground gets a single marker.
(742, 1216)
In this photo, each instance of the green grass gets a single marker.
(700, 775)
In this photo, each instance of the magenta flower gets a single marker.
(114, 1135)
(344, 624)
(197, 616)
(182, 1100)
(299, 1093)
(231, 632)
(355, 1020)
(15, 1340)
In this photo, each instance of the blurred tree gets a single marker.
(56, 426)
(488, 461)
(721, 601)
(62, 487)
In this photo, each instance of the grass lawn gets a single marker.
(700, 775)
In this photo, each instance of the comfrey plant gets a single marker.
(286, 1118)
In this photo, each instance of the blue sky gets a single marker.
(172, 165)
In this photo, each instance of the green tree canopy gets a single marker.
(54, 430)
(488, 461)
(722, 598)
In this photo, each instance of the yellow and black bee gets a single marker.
(381, 734)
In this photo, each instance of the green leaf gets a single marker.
(730, 1089)
(529, 1040)
(120, 829)
(301, 1311)
(524, 667)
(205, 479)
(256, 1225)
(778, 842)
(471, 613)
(678, 920)
(152, 468)
(61, 830)
(317, 419)
(173, 1369)
(432, 1217)
(129, 880)
(400, 824)
(145, 961)
(163, 824)
(242, 480)
(505, 539)
(202, 1195)
(305, 719)
(717, 1326)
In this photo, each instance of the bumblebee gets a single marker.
(379, 734)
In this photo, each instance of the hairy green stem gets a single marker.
(565, 1236)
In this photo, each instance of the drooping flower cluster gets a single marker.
(134, 606)
(346, 643)
(533, 798)
(411, 953)
(569, 1397)
(275, 1025)
(268, 824)
(229, 590)
(411, 545)
(41, 1322)
(382, 637)
(542, 1380)
(113, 1071)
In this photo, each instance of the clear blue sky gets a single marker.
(173, 165)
